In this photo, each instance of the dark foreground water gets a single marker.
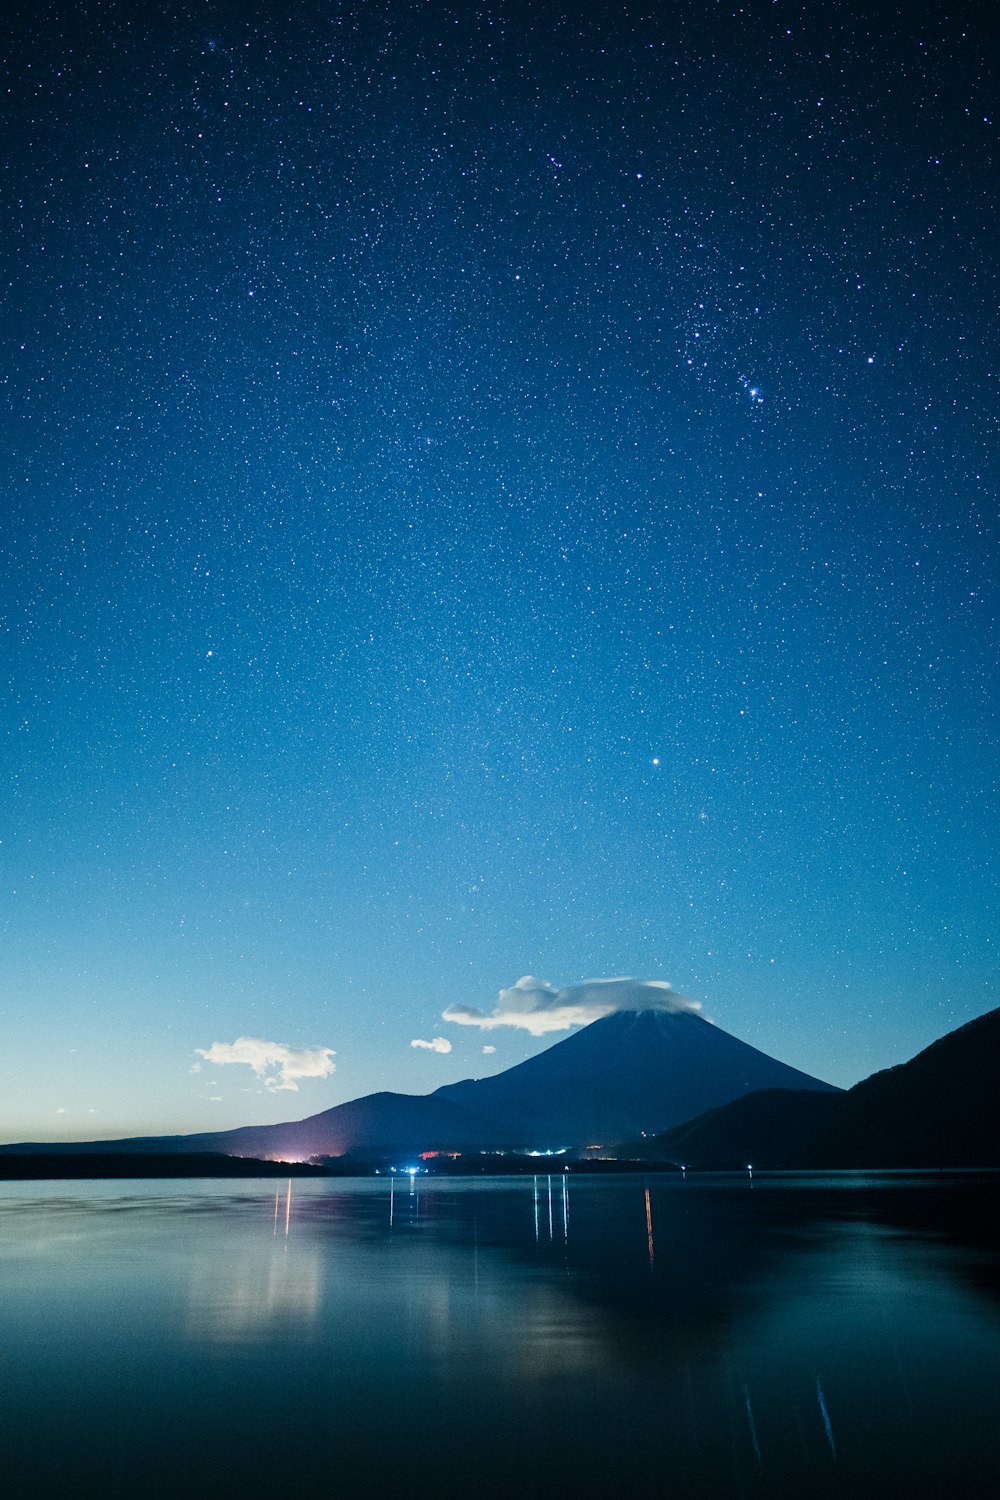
(832, 1336)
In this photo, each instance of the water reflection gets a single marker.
(836, 1337)
(287, 1196)
(253, 1297)
(257, 1293)
(827, 1426)
(543, 1190)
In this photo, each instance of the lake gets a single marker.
(560, 1335)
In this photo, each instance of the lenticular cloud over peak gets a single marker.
(538, 1007)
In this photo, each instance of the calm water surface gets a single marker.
(830, 1336)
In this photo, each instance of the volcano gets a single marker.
(629, 1074)
(618, 1077)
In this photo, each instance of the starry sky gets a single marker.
(488, 490)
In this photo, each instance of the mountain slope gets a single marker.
(378, 1123)
(618, 1077)
(629, 1073)
(940, 1109)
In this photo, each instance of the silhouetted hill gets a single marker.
(940, 1109)
(378, 1124)
(628, 1073)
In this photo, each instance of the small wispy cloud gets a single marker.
(538, 1007)
(278, 1066)
(438, 1044)
(488, 1049)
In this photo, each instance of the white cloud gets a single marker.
(487, 1049)
(278, 1065)
(538, 1007)
(439, 1044)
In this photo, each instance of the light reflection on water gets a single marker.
(555, 1335)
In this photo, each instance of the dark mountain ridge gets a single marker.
(940, 1109)
(378, 1123)
(629, 1073)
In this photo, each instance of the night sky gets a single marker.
(488, 490)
